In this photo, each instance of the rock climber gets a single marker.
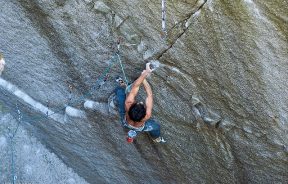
(2, 63)
(137, 115)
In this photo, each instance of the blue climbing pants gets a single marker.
(150, 126)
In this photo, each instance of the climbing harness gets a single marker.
(164, 31)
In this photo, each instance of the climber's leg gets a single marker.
(153, 128)
(121, 97)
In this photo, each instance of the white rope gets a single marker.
(164, 32)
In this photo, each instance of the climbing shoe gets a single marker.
(120, 81)
(159, 140)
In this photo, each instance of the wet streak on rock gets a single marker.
(41, 22)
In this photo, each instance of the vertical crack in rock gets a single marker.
(185, 28)
(40, 20)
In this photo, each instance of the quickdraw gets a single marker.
(164, 31)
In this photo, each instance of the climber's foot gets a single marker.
(159, 140)
(120, 81)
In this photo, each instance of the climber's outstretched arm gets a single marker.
(135, 87)
(149, 100)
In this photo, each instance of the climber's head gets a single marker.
(137, 112)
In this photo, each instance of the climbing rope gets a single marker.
(164, 31)
(13, 177)
(119, 42)
(19, 120)
(99, 82)
(11, 136)
(122, 68)
(97, 85)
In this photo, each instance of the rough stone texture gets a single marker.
(220, 88)
(32, 162)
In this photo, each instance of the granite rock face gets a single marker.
(220, 88)
(33, 163)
